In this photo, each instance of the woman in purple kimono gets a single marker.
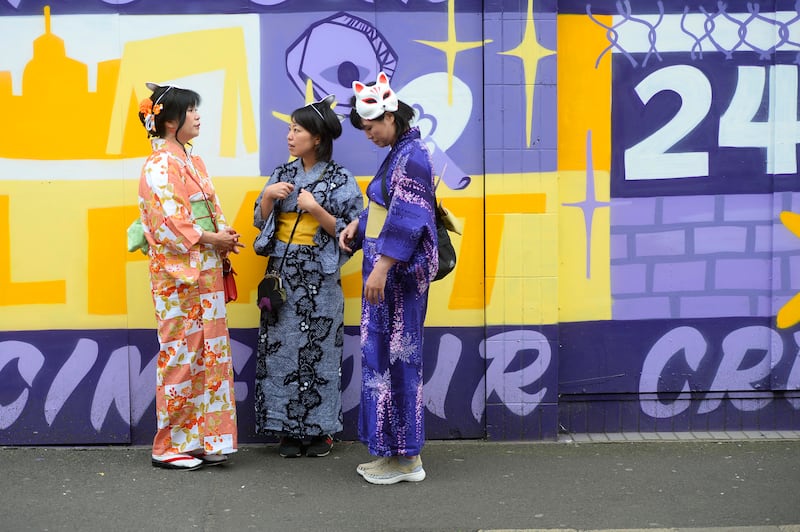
(397, 233)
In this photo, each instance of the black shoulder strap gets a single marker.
(384, 190)
(291, 236)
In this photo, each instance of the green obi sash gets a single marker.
(202, 217)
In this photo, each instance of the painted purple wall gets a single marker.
(701, 333)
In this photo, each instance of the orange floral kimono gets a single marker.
(195, 406)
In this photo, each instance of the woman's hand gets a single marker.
(278, 191)
(306, 201)
(347, 236)
(231, 240)
(226, 241)
(376, 282)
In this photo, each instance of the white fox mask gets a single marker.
(373, 101)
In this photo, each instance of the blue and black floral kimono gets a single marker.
(299, 354)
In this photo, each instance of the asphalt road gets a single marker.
(471, 485)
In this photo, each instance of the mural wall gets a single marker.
(626, 178)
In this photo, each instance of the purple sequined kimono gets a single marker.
(392, 411)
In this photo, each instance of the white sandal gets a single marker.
(183, 462)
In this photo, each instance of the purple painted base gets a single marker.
(504, 383)
(582, 415)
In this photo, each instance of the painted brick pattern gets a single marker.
(703, 256)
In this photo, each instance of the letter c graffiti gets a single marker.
(29, 361)
(694, 346)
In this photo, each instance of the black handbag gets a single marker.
(447, 253)
(271, 294)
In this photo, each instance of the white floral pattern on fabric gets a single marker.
(195, 404)
(391, 420)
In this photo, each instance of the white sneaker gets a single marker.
(392, 472)
(361, 468)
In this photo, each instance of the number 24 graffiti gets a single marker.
(778, 135)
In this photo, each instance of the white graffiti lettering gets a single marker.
(69, 377)
(240, 353)
(500, 351)
(793, 381)
(123, 382)
(741, 385)
(686, 339)
(435, 390)
(29, 361)
(730, 375)
(127, 386)
(351, 395)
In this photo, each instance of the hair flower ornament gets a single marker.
(150, 110)
(146, 106)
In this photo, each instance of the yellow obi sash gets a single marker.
(376, 217)
(303, 235)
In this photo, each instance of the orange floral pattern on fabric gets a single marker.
(195, 404)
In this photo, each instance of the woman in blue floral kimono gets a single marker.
(302, 208)
(397, 233)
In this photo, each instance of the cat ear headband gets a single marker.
(373, 101)
(328, 102)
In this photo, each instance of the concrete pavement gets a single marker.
(471, 485)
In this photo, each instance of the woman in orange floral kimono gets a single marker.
(195, 406)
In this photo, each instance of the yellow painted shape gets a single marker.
(249, 272)
(584, 92)
(220, 49)
(6, 84)
(107, 118)
(582, 299)
(544, 309)
(516, 203)
(789, 313)
(23, 293)
(82, 241)
(584, 95)
(467, 290)
(351, 277)
(82, 111)
(791, 221)
(529, 51)
(351, 286)
(521, 248)
(452, 47)
(72, 235)
(107, 259)
(465, 283)
(499, 207)
(458, 299)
